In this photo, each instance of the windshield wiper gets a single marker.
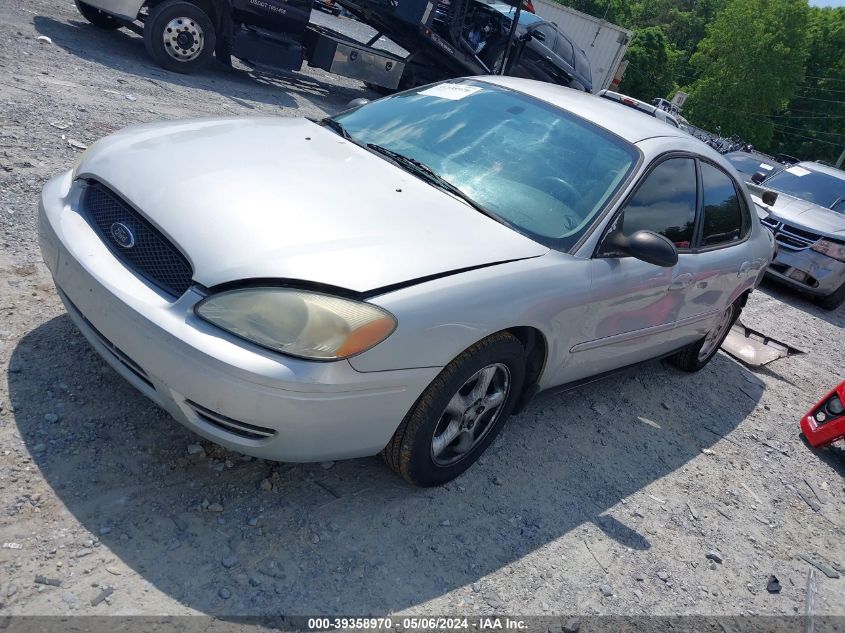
(425, 172)
(336, 126)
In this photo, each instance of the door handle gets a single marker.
(681, 281)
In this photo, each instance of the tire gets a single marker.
(96, 17)
(176, 18)
(833, 300)
(411, 451)
(695, 356)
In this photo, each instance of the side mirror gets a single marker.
(769, 197)
(647, 246)
(758, 177)
(357, 103)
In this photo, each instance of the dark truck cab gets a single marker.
(276, 35)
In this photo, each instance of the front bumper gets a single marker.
(244, 398)
(808, 271)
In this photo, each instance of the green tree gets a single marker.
(650, 65)
(749, 66)
(813, 125)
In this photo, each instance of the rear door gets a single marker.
(720, 263)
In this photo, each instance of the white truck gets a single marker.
(604, 43)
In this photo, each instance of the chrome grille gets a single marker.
(143, 250)
(790, 237)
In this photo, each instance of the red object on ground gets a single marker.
(825, 422)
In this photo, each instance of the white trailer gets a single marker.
(604, 43)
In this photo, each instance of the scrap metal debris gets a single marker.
(105, 593)
(755, 348)
(43, 580)
(823, 568)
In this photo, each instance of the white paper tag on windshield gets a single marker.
(766, 167)
(453, 92)
(798, 171)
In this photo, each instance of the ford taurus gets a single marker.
(398, 279)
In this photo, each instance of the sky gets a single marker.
(828, 3)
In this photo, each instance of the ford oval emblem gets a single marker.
(123, 235)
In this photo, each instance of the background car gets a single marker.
(808, 221)
(545, 53)
(399, 278)
(750, 163)
(640, 106)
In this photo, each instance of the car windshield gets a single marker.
(750, 164)
(537, 168)
(815, 186)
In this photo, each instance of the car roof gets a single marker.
(630, 125)
(825, 169)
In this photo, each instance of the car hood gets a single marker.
(806, 215)
(289, 199)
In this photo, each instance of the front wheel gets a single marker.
(179, 36)
(460, 413)
(96, 17)
(698, 354)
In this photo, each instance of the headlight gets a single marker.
(298, 322)
(836, 250)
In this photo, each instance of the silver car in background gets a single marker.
(807, 219)
(399, 278)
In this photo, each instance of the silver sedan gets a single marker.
(400, 278)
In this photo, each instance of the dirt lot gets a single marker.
(605, 500)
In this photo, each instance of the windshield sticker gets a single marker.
(453, 92)
(766, 167)
(798, 171)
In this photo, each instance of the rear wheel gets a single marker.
(96, 17)
(179, 36)
(834, 300)
(697, 355)
(459, 414)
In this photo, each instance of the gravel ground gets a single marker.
(605, 500)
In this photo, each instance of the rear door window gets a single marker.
(723, 221)
(664, 203)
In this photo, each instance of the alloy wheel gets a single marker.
(470, 414)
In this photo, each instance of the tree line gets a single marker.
(770, 71)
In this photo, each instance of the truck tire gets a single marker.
(96, 17)
(179, 36)
(833, 300)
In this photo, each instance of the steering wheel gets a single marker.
(571, 196)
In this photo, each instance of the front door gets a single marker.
(634, 305)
